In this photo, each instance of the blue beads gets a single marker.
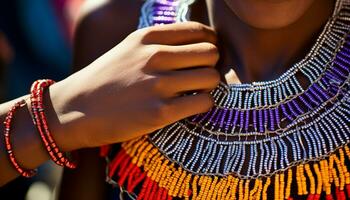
(243, 133)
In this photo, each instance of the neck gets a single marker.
(262, 54)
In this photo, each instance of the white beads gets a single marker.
(236, 137)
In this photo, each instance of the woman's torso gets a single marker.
(198, 14)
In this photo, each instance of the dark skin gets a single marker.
(256, 50)
(257, 53)
(128, 84)
(100, 25)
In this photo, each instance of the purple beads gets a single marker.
(241, 122)
(164, 12)
(246, 126)
(267, 119)
(272, 120)
(261, 124)
(255, 123)
(229, 120)
(222, 120)
(284, 111)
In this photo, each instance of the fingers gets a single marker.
(183, 56)
(199, 79)
(185, 106)
(179, 46)
(178, 33)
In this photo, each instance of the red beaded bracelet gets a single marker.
(8, 145)
(40, 122)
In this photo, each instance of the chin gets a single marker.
(269, 14)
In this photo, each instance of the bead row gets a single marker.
(139, 164)
(312, 141)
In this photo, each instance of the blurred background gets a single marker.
(35, 43)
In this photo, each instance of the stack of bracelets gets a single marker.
(40, 122)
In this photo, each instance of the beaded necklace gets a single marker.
(281, 131)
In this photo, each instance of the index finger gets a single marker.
(179, 34)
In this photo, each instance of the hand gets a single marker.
(139, 85)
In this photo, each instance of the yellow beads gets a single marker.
(266, 186)
(187, 187)
(298, 179)
(303, 179)
(309, 178)
(319, 179)
(240, 190)
(254, 190)
(260, 187)
(340, 164)
(212, 187)
(281, 186)
(235, 184)
(289, 183)
(325, 176)
(277, 187)
(246, 190)
(194, 187)
(347, 175)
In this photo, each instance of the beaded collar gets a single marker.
(278, 130)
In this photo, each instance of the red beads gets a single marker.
(8, 145)
(39, 119)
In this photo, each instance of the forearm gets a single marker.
(27, 145)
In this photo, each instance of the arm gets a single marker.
(25, 138)
(98, 30)
(129, 85)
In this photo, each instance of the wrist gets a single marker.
(29, 150)
(62, 117)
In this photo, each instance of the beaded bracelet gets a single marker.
(39, 119)
(7, 133)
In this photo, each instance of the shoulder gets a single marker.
(111, 12)
(102, 25)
